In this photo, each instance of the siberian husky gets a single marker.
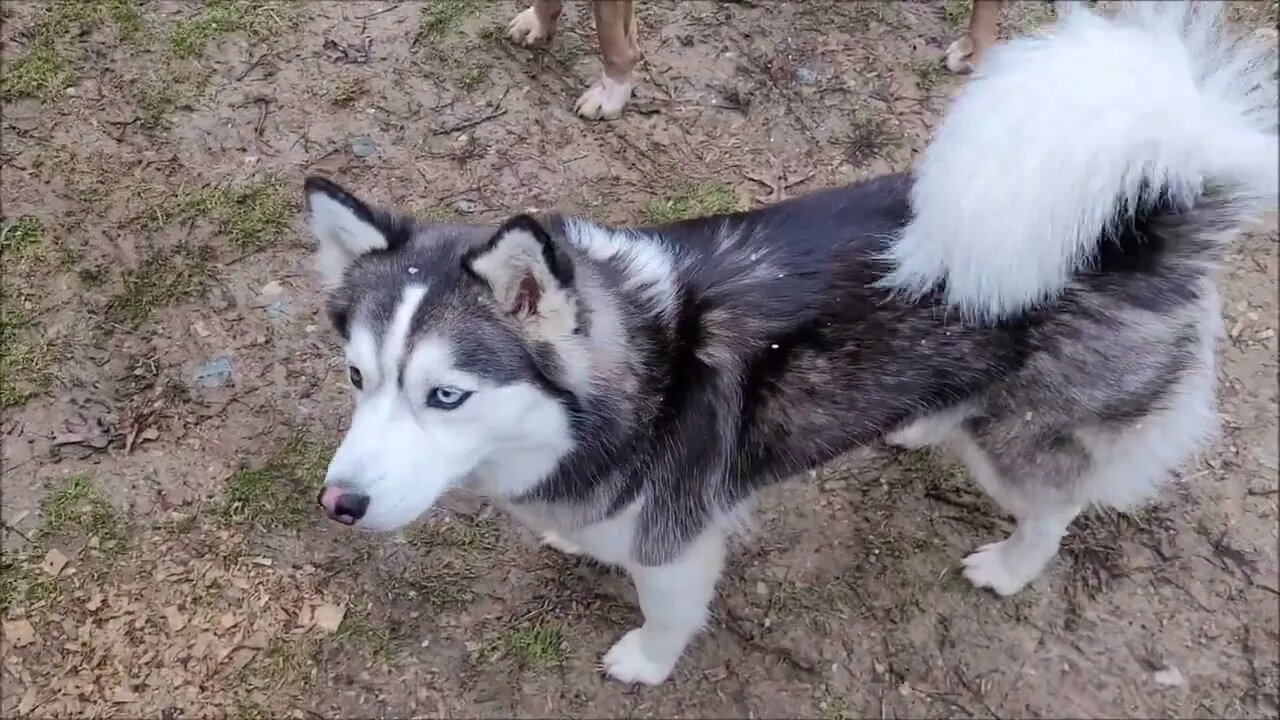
(1037, 296)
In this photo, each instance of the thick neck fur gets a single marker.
(626, 332)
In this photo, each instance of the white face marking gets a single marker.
(403, 453)
(396, 342)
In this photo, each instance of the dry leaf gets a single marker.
(54, 561)
(123, 695)
(1169, 677)
(202, 644)
(257, 641)
(19, 633)
(228, 621)
(176, 619)
(329, 616)
(304, 617)
(241, 658)
(30, 699)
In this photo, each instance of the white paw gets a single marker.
(527, 30)
(960, 56)
(627, 663)
(988, 567)
(605, 99)
(557, 542)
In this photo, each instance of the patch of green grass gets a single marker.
(455, 554)
(281, 492)
(835, 708)
(920, 462)
(44, 68)
(956, 12)
(163, 278)
(569, 50)
(75, 508)
(23, 584)
(474, 77)
(815, 601)
(462, 534)
(491, 35)
(156, 102)
(284, 664)
(345, 91)
(713, 198)
(929, 73)
(438, 213)
(64, 17)
(252, 216)
(246, 709)
(357, 632)
(39, 72)
(127, 17)
(440, 18)
(20, 235)
(222, 17)
(26, 354)
(536, 645)
(26, 358)
(867, 137)
(864, 12)
(444, 586)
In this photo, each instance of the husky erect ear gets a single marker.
(345, 227)
(530, 276)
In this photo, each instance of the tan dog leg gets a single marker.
(537, 24)
(619, 51)
(984, 25)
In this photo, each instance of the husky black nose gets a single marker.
(344, 506)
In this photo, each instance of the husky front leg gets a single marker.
(675, 599)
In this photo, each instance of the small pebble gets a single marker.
(1169, 677)
(363, 146)
(805, 76)
(215, 373)
(466, 207)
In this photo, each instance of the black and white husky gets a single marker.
(1036, 296)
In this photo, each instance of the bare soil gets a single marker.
(171, 389)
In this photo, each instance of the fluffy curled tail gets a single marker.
(1063, 135)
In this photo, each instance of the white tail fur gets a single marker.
(1059, 132)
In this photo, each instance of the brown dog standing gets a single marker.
(619, 51)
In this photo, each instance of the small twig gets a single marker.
(498, 111)
(470, 123)
(243, 256)
(252, 65)
(264, 108)
(375, 13)
(17, 532)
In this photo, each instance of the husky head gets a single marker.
(459, 347)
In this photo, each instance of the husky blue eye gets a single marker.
(446, 398)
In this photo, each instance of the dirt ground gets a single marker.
(171, 389)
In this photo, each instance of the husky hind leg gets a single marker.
(1044, 472)
(1033, 481)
